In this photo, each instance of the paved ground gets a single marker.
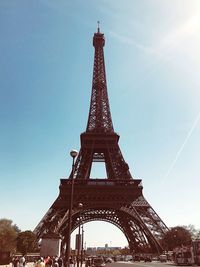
(120, 264)
(30, 264)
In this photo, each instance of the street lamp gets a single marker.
(73, 154)
(80, 206)
(82, 248)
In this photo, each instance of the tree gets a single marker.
(195, 233)
(26, 242)
(192, 230)
(8, 235)
(176, 237)
(197, 236)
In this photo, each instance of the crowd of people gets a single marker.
(18, 261)
(49, 262)
(38, 261)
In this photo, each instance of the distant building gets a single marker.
(94, 250)
(91, 251)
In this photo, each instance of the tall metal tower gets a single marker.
(117, 198)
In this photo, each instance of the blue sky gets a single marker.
(152, 64)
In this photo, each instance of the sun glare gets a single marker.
(181, 33)
(192, 25)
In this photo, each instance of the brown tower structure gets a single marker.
(117, 198)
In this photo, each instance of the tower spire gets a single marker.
(99, 119)
(98, 29)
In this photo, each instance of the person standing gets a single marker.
(60, 262)
(22, 261)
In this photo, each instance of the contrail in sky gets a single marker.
(181, 148)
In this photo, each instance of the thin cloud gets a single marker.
(194, 125)
(158, 57)
(148, 50)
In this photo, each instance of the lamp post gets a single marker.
(80, 205)
(82, 248)
(73, 154)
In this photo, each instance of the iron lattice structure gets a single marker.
(117, 199)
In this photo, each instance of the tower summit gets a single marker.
(99, 119)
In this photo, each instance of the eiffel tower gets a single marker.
(118, 198)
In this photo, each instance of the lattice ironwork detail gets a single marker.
(140, 202)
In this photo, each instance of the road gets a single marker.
(140, 264)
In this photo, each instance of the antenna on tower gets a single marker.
(98, 30)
